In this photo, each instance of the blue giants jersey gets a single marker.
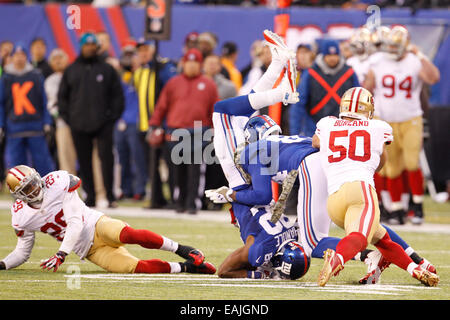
(277, 155)
(255, 221)
(270, 159)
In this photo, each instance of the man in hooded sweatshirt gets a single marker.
(320, 88)
(24, 119)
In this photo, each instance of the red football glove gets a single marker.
(54, 262)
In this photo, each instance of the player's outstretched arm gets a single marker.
(21, 253)
(236, 265)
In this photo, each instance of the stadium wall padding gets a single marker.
(230, 23)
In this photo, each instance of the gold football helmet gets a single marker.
(379, 38)
(360, 42)
(25, 184)
(397, 42)
(357, 103)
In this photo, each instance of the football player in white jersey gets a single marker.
(360, 44)
(352, 148)
(51, 205)
(396, 77)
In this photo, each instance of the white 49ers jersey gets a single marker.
(351, 150)
(361, 67)
(397, 87)
(61, 205)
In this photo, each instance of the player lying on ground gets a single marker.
(51, 205)
(269, 251)
(352, 148)
(231, 118)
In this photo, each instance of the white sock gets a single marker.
(263, 99)
(267, 81)
(169, 245)
(411, 267)
(174, 267)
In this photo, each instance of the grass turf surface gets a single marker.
(77, 280)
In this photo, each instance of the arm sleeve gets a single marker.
(260, 191)
(73, 214)
(47, 117)
(22, 252)
(161, 107)
(117, 97)
(63, 98)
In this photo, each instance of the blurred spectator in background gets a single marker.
(229, 58)
(260, 58)
(90, 100)
(132, 160)
(321, 87)
(149, 79)
(305, 58)
(191, 41)
(6, 48)
(211, 69)
(67, 157)
(38, 52)
(104, 49)
(214, 177)
(207, 43)
(23, 114)
(187, 98)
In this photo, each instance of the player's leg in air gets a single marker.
(109, 253)
(231, 115)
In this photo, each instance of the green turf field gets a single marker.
(82, 280)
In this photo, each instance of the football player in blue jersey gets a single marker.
(252, 153)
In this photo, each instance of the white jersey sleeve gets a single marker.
(25, 243)
(73, 213)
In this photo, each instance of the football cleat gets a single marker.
(196, 256)
(331, 267)
(425, 264)
(376, 264)
(426, 277)
(291, 74)
(205, 268)
(280, 52)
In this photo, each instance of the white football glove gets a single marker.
(221, 195)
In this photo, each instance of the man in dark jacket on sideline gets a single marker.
(90, 100)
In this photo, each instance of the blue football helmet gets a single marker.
(291, 261)
(260, 127)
